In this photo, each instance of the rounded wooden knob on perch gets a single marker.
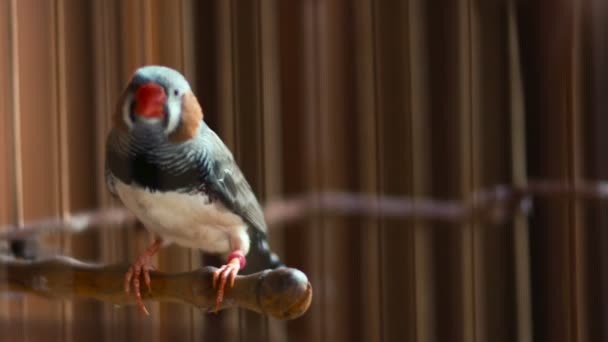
(283, 293)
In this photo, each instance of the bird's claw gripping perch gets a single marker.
(132, 277)
(141, 266)
(229, 271)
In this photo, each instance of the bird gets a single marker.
(180, 180)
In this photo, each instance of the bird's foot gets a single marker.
(141, 266)
(236, 262)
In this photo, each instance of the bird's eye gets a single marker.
(176, 92)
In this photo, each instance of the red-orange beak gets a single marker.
(150, 100)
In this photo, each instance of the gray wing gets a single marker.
(227, 183)
(224, 180)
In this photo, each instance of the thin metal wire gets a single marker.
(235, 116)
(378, 162)
(184, 30)
(317, 125)
(15, 110)
(519, 167)
(576, 229)
(146, 32)
(472, 112)
(260, 96)
(61, 164)
(412, 160)
(62, 110)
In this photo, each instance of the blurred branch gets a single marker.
(284, 293)
(494, 205)
(75, 223)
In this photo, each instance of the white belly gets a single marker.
(186, 219)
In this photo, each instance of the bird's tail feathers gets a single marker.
(260, 257)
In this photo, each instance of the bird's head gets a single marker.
(159, 97)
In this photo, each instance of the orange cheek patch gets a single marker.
(192, 115)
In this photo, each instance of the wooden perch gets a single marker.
(284, 293)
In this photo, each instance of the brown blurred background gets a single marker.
(424, 98)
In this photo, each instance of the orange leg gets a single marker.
(236, 262)
(141, 266)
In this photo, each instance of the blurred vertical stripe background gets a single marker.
(419, 98)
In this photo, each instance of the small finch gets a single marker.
(180, 180)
